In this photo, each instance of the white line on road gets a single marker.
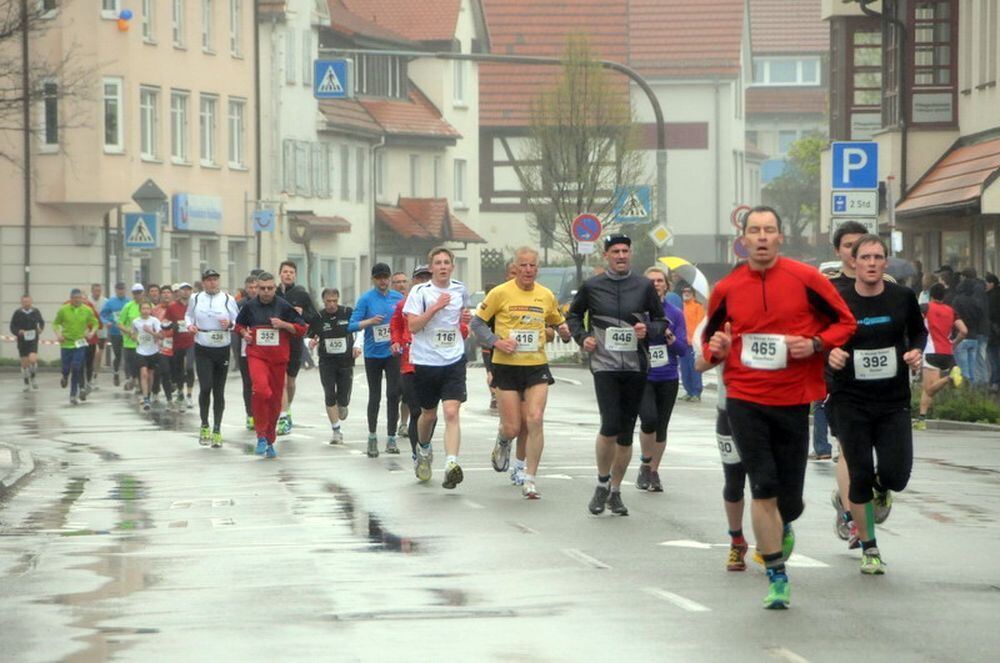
(566, 380)
(786, 655)
(584, 558)
(680, 601)
(522, 527)
(472, 505)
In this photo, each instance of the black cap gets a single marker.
(421, 270)
(381, 269)
(120, 285)
(611, 240)
(209, 273)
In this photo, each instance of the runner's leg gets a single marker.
(373, 371)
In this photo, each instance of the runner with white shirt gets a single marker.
(147, 332)
(210, 316)
(435, 312)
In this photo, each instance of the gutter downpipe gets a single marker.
(258, 178)
(26, 120)
(720, 250)
(377, 147)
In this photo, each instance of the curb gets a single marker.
(945, 425)
(24, 465)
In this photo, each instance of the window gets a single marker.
(320, 171)
(110, 9)
(380, 76)
(48, 7)
(328, 273)
(458, 197)
(307, 57)
(331, 159)
(149, 21)
(438, 174)
(207, 112)
(989, 27)
(237, 133)
(50, 113)
(177, 21)
(414, 175)
(149, 121)
(932, 39)
(290, 55)
(380, 174)
(786, 138)
(361, 175)
(303, 184)
(348, 280)
(114, 140)
(178, 126)
(236, 27)
(786, 71)
(345, 172)
(288, 165)
(459, 68)
(207, 25)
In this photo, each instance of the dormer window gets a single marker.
(380, 76)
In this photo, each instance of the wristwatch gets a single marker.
(817, 345)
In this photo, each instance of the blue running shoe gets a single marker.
(270, 452)
(261, 446)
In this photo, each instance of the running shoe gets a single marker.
(787, 543)
(530, 492)
(778, 592)
(920, 424)
(422, 464)
(842, 528)
(517, 476)
(737, 558)
(261, 446)
(83, 395)
(452, 475)
(342, 411)
(501, 454)
(250, 425)
(642, 481)
(145, 406)
(63, 381)
(616, 505)
(284, 425)
(655, 485)
(403, 433)
(372, 446)
(129, 384)
(337, 437)
(881, 505)
(270, 452)
(871, 563)
(189, 402)
(73, 401)
(391, 447)
(956, 376)
(599, 499)
(216, 440)
(116, 380)
(205, 436)
(853, 541)
(34, 385)
(27, 387)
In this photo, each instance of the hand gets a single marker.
(374, 320)
(465, 316)
(396, 349)
(838, 359)
(563, 331)
(640, 330)
(506, 345)
(721, 342)
(224, 323)
(799, 347)
(669, 336)
(442, 301)
(247, 335)
(313, 342)
(193, 329)
(356, 352)
(298, 309)
(278, 323)
(914, 359)
(60, 338)
(20, 332)
(550, 334)
(589, 344)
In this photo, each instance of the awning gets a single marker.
(321, 224)
(956, 182)
(425, 218)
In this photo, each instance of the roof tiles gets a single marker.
(416, 20)
(425, 218)
(680, 38)
(955, 181)
(415, 116)
(784, 26)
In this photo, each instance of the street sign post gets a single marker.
(855, 165)
(141, 231)
(333, 79)
(854, 203)
(632, 204)
(586, 228)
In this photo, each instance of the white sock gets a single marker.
(518, 464)
(283, 414)
(335, 426)
(451, 459)
(529, 477)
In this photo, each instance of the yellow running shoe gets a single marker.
(956, 376)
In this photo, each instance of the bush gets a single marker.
(972, 404)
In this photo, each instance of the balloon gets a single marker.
(122, 25)
(126, 14)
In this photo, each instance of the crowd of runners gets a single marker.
(782, 336)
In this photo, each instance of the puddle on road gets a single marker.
(368, 525)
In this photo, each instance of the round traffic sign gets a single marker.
(586, 228)
(740, 249)
(736, 218)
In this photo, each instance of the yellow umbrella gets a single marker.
(689, 273)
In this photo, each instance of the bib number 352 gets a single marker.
(267, 337)
(766, 352)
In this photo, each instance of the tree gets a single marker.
(582, 148)
(796, 192)
(72, 84)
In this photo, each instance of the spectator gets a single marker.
(925, 288)
(694, 313)
(993, 344)
(982, 335)
(968, 311)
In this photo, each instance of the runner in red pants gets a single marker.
(269, 325)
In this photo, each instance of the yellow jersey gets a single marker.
(522, 315)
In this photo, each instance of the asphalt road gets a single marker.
(131, 542)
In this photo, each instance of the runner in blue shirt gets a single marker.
(109, 318)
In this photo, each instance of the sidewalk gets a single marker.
(15, 466)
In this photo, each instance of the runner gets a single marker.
(249, 292)
(147, 332)
(399, 331)
(86, 385)
(109, 317)
(129, 313)
(661, 385)
(770, 321)
(99, 301)
(163, 372)
(622, 309)
(435, 312)
(74, 325)
(27, 325)
(269, 325)
(944, 331)
(302, 302)
(401, 284)
(330, 332)
(182, 363)
(521, 310)
(870, 391)
(372, 314)
(210, 315)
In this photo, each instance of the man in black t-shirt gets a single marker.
(27, 325)
(870, 392)
(337, 353)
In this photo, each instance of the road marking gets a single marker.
(685, 543)
(585, 559)
(796, 560)
(786, 655)
(522, 527)
(564, 477)
(566, 380)
(803, 562)
(680, 601)
(472, 505)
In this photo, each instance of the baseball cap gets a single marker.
(209, 273)
(611, 240)
(421, 270)
(138, 287)
(183, 285)
(381, 269)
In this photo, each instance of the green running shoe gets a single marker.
(956, 376)
(216, 440)
(920, 424)
(250, 424)
(205, 436)
(871, 563)
(779, 594)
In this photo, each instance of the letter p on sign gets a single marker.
(855, 165)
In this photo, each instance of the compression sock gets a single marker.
(645, 460)
(774, 563)
(870, 517)
(737, 537)
(451, 459)
(865, 545)
(605, 481)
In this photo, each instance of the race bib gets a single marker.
(527, 339)
(658, 356)
(30, 335)
(80, 343)
(766, 352)
(167, 343)
(267, 337)
(381, 333)
(620, 339)
(145, 339)
(445, 338)
(727, 450)
(875, 364)
(217, 336)
(335, 346)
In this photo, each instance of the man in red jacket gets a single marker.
(269, 325)
(772, 321)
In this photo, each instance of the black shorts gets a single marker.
(152, 362)
(101, 342)
(657, 405)
(507, 377)
(294, 357)
(943, 363)
(338, 382)
(884, 430)
(440, 383)
(619, 395)
(25, 348)
(732, 469)
(773, 442)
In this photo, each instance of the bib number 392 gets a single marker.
(875, 364)
(267, 337)
(620, 339)
(766, 352)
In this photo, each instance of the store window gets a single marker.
(955, 249)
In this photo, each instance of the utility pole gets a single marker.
(26, 119)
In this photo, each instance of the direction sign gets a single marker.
(632, 204)
(332, 79)
(854, 203)
(141, 231)
(586, 228)
(263, 221)
(869, 222)
(855, 165)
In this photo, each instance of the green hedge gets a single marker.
(972, 404)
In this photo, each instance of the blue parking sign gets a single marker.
(855, 165)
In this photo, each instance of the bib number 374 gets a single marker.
(766, 352)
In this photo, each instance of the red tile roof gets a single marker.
(332, 224)
(781, 26)
(416, 20)
(681, 38)
(955, 181)
(786, 101)
(425, 218)
(349, 114)
(346, 22)
(415, 116)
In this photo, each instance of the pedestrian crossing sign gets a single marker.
(141, 231)
(632, 204)
(332, 79)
